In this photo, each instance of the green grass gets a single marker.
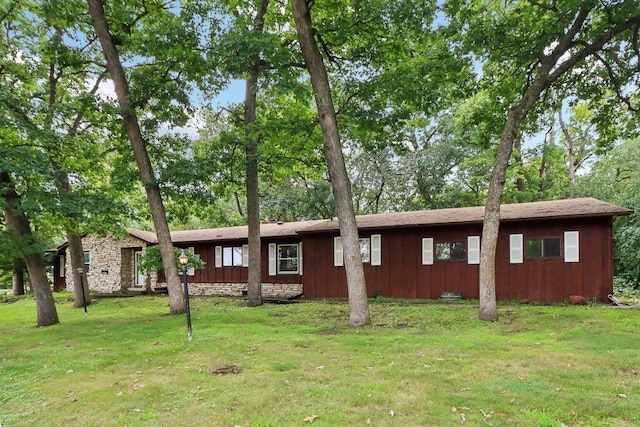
(128, 363)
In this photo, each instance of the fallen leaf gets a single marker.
(465, 389)
(622, 396)
(367, 421)
(454, 409)
(70, 371)
(310, 418)
(392, 413)
(463, 419)
(137, 410)
(320, 367)
(119, 393)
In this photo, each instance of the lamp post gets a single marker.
(184, 260)
(84, 299)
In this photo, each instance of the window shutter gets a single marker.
(376, 249)
(571, 246)
(473, 251)
(191, 271)
(272, 259)
(218, 256)
(62, 265)
(338, 259)
(516, 248)
(427, 251)
(245, 255)
(300, 258)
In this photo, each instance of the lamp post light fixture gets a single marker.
(184, 260)
(84, 299)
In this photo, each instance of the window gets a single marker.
(370, 250)
(232, 256)
(288, 259)
(543, 248)
(87, 260)
(450, 250)
(62, 265)
(365, 249)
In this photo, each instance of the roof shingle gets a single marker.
(569, 208)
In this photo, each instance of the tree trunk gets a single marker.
(358, 305)
(176, 298)
(520, 179)
(19, 224)
(76, 251)
(254, 280)
(17, 278)
(76, 256)
(570, 144)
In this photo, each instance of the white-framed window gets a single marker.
(370, 250)
(232, 256)
(288, 259)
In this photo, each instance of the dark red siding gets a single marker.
(402, 274)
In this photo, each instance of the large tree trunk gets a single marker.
(19, 224)
(254, 282)
(17, 278)
(176, 298)
(81, 297)
(358, 305)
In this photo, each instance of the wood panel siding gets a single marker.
(402, 274)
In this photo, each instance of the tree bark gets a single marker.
(17, 278)
(570, 144)
(176, 298)
(358, 304)
(19, 224)
(76, 251)
(254, 280)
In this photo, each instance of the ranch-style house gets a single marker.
(547, 251)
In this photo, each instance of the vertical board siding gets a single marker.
(402, 273)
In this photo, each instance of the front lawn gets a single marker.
(129, 363)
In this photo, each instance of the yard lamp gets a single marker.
(84, 300)
(184, 260)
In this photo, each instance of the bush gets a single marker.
(625, 289)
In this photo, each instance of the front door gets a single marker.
(140, 277)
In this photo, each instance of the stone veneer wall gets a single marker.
(273, 290)
(106, 253)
